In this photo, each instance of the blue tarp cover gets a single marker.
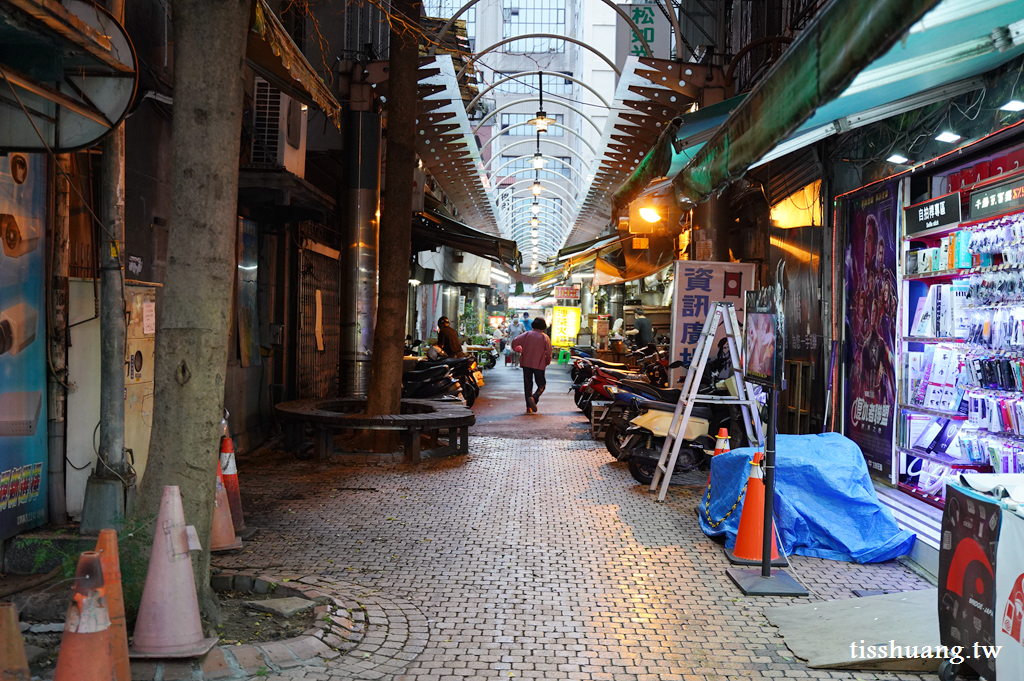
(825, 504)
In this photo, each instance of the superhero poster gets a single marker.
(870, 334)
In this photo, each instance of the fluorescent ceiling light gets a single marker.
(414, 282)
(896, 158)
(947, 137)
(1013, 105)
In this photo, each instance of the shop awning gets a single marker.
(572, 252)
(942, 55)
(435, 227)
(447, 146)
(273, 55)
(67, 75)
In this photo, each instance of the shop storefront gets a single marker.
(934, 312)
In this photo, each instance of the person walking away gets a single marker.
(514, 331)
(535, 354)
(641, 328)
(448, 338)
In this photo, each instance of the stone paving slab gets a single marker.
(528, 558)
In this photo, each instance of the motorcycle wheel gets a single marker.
(614, 439)
(642, 469)
(488, 362)
(469, 392)
(578, 397)
(586, 406)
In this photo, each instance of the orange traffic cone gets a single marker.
(168, 623)
(229, 472)
(86, 648)
(721, 447)
(749, 536)
(106, 546)
(222, 534)
(13, 663)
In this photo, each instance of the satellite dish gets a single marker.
(84, 97)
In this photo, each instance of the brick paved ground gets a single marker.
(528, 558)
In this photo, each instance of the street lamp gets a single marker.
(541, 121)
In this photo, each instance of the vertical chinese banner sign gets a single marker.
(22, 343)
(565, 326)
(870, 334)
(653, 24)
(697, 286)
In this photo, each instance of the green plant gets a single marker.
(262, 671)
(134, 543)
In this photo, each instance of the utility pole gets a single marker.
(58, 340)
(104, 505)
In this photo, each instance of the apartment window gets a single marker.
(444, 9)
(522, 17)
(528, 83)
(514, 119)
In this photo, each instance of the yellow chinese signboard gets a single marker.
(565, 326)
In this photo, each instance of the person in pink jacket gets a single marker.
(535, 349)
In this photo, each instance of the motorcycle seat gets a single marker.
(699, 411)
(652, 391)
(608, 365)
(648, 405)
(425, 375)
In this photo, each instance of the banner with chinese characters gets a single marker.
(870, 374)
(565, 326)
(697, 285)
(22, 343)
(567, 292)
(654, 26)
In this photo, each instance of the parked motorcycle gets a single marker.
(464, 370)
(432, 382)
(489, 358)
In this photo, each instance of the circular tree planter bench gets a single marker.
(348, 413)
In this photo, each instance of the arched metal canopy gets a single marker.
(618, 10)
(524, 100)
(530, 138)
(540, 72)
(497, 171)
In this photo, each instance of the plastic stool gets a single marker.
(564, 356)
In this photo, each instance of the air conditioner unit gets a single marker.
(279, 130)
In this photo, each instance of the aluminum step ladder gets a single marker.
(720, 313)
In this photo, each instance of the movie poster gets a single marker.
(870, 334)
(22, 343)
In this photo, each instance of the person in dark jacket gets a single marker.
(448, 338)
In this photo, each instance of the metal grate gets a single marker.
(266, 123)
(318, 355)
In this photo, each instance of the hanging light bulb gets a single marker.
(538, 160)
(534, 234)
(534, 222)
(537, 188)
(535, 208)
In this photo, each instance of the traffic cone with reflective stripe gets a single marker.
(222, 534)
(721, 447)
(168, 624)
(750, 535)
(110, 562)
(86, 648)
(13, 663)
(229, 473)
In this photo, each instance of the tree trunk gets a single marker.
(195, 310)
(395, 221)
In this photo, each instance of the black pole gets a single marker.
(769, 484)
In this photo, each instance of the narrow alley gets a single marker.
(535, 556)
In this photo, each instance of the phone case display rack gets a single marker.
(961, 393)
